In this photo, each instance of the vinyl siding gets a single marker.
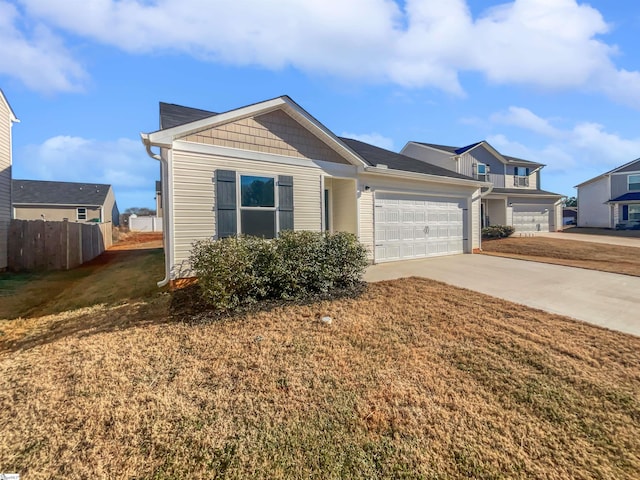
(592, 209)
(274, 132)
(475, 233)
(427, 155)
(620, 184)
(5, 179)
(345, 212)
(509, 180)
(366, 220)
(632, 167)
(194, 214)
(55, 213)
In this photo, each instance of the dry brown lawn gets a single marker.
(573, 253)
(414, 379)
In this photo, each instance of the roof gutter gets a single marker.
(166, 227)
(482, 195)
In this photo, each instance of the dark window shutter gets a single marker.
(227, 215)
(527, 170)
(625, 212)
(285, 202)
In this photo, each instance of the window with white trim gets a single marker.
(633, 182)
(482, 172)
(258, 206)
(81, 213)
(521, 177)
(634, 213)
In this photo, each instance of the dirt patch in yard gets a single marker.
(414, 379)
(593, 256)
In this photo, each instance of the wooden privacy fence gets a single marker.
(40, 245)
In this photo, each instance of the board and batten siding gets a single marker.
(194, 213)
(5, 179)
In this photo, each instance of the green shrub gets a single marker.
(242, 270)
(498, 231)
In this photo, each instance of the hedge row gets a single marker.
(498, 231)
(242, 270)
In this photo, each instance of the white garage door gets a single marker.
(531, 218)
(416, 226)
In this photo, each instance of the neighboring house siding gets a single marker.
(5, 179)
(274, 132)
(632, 167)
(434, 157)
(475, 221)
(620, 184)
(54, 213)
(482, 155)
(111, 213)
(194, 212)
(592, 209)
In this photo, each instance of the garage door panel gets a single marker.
(417, 227)
(531, 218)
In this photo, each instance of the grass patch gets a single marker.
(413, 379)
(113, 277)
(592, 256)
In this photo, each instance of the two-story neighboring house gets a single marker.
(612, 199)
(7, 119)
(516, 198)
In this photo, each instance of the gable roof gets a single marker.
(11, 112)
(39, 192)
(614, 170)
(172, 115)
(165, 137)
(461, 150)
(374, 156)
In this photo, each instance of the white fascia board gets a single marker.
(592, 180)
(491, 150)
(12, 115)
(632, 172)
(165, 138)
(54, 205)
(426, 177)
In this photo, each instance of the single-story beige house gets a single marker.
(60, 201)
(271, 166)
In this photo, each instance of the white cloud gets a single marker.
(525, 118)
(121, 163)
(587, 145)
(372, 138)
(553, 44)
(39, 60)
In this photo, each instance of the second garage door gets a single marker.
(409, 227)
(531, 218)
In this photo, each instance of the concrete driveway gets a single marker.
(601, 298)
(582, 237)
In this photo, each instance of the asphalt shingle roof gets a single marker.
(172, 115)
(523, 191)
(375, 155)
(58, 193)
(627, 197)
(461, 150)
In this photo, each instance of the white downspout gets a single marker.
(165, 224)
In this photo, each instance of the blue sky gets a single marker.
(554, 81)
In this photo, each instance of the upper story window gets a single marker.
(521, 177)
(82, 213)
(634, 182)
(482, 172)
(257, 206)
